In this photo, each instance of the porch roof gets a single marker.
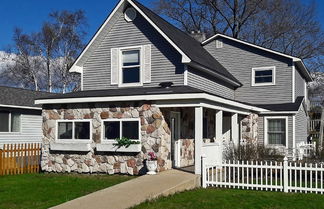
(284, 107)
(174, 93)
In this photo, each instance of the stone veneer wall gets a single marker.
(250, 128)
(187, 152)
(155, 135)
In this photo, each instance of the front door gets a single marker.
(175, 136)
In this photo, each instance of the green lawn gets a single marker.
(45, 190)
(231, 198)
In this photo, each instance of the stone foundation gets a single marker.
(155, 137)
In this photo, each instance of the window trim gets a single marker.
(9, 126)
(266, 142)
(120, 68)
(73, 131)
(109, 141)
(273, 68)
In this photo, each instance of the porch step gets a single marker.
(136, 191)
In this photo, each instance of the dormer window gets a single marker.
(263, 76)
(131, 67)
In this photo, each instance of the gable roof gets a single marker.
(20, 98)
(299, 62)
(190, 46)
(191, 50)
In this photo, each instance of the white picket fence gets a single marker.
(268, 176)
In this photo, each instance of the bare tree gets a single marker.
(70, 42)
(24, 66)
(42, 60)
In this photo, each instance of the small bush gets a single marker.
(253, 152)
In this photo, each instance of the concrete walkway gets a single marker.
(135, 191)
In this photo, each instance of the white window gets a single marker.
(74, 130)
(276, 131)
(10, 122)
(130, 67)
(116, 129)
(263, 76)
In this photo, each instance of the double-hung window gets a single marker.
(10, 122)
(74, 130)
(276, 130)
(263, 76)
(116, 129)
(131, 67)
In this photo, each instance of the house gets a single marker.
(21, 119)
(144, 79)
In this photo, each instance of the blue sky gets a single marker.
(29, 14)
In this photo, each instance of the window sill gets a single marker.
(110, 147)
(264, 84)
(71, 146)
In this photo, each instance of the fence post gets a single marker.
(203, 171)
(285, 173)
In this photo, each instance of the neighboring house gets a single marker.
(20, 118)
(144, 79)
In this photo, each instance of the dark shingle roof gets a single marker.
(283, 106)
(190, 46)
(126, 92)
(20, 97)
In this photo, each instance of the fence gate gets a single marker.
(274, 176)
(19, 159)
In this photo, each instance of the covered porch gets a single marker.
(198, 129)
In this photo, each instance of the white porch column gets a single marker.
(198, 138)
(219, 125)
(235, 129)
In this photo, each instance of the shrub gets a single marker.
(253, 152)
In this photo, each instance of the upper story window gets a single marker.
(131, 67)
(10, 122)
(73, 130)
(263, 76)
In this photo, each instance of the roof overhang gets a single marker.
(153, 97)
(77, 66)
(20, 107)
(299, 62)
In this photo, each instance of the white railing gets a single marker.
(305, 149)
(273, 176)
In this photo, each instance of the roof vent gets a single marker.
(166, 85)
(130, 14)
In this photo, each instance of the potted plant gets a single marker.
(151, 163)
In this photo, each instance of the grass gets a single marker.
(232, 198)
(46, 190)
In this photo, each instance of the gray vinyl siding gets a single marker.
(261, 128)
(299, 84)
(206, 83)
(301, 126)
(31, 131)
(239, 60)
(165, 60)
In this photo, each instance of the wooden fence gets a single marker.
(274, 176)
(20, 158)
